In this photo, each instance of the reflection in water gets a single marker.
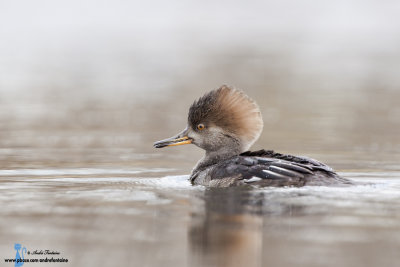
(229, 231)
(168, 222)
(298, 226)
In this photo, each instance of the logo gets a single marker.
(19, 258)
(37, 255)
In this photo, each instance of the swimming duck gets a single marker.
(225, 122)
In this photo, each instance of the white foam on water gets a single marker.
(168, 182)
(172, 181)
(376, 189)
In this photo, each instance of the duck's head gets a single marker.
(224, 120)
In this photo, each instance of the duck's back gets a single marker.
(267, 168)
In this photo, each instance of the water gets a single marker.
(105, 217)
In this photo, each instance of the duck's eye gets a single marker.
(200, 126)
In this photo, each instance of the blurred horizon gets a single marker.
(115, 75)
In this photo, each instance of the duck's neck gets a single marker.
(214, 157)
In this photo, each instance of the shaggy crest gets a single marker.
(230, 109)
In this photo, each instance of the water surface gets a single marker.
(151, 217)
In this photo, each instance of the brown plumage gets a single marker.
(230, 109)
(225, 123)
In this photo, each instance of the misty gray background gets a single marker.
(96, 83)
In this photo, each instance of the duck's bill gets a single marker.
(180, 139)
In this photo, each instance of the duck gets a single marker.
(226, 122)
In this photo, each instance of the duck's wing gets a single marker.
(298, 160)
(268, 168)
